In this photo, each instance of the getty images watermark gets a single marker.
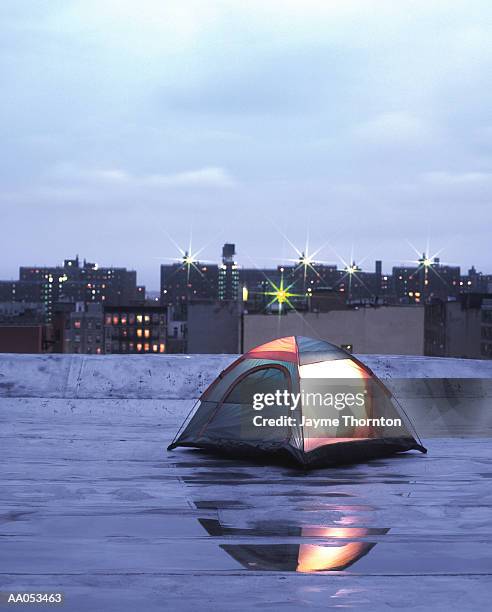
(353, 402)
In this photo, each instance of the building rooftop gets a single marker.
(95, 507)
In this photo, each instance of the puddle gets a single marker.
(341, 545)
(304, 558)
(219, 504)
(274, 528)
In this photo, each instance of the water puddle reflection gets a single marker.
(315, 548)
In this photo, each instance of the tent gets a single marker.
(278, 403)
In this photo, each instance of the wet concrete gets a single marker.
(93, 505)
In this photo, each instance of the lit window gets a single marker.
(147, 333)
(147, 318)
(161, 348)
(77, 324)
(146, 347)
(139, 318)
(123, 319)
(139, 347)
(115, 319)
(98, 350)
(155, 348)
(139, 333)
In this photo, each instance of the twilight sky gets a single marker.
(366, 124)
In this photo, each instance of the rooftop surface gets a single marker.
(92, 504)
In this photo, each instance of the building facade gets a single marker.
(80, 282)
(228, 287)
(134, 329)
(460, 328)
(84, 331)
(389, 330)
(188, 280)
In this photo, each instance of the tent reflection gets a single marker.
(315, 558)
(295, 557)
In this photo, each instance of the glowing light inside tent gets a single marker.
(338, 368)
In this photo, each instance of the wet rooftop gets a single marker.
(94, 506)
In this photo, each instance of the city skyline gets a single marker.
(318, 256)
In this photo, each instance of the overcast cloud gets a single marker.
(363, 122)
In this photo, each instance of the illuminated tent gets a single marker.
(229, 420)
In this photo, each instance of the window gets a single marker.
(139, 347)
(264, 380)
(162, 348)
(487, 333)
(139, 318)
(77, 324)
(139, 333)
(487, 316)
(147, 333)
(146, 347)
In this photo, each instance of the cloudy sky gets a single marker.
(366, 124)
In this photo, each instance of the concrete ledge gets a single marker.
(179, 376)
